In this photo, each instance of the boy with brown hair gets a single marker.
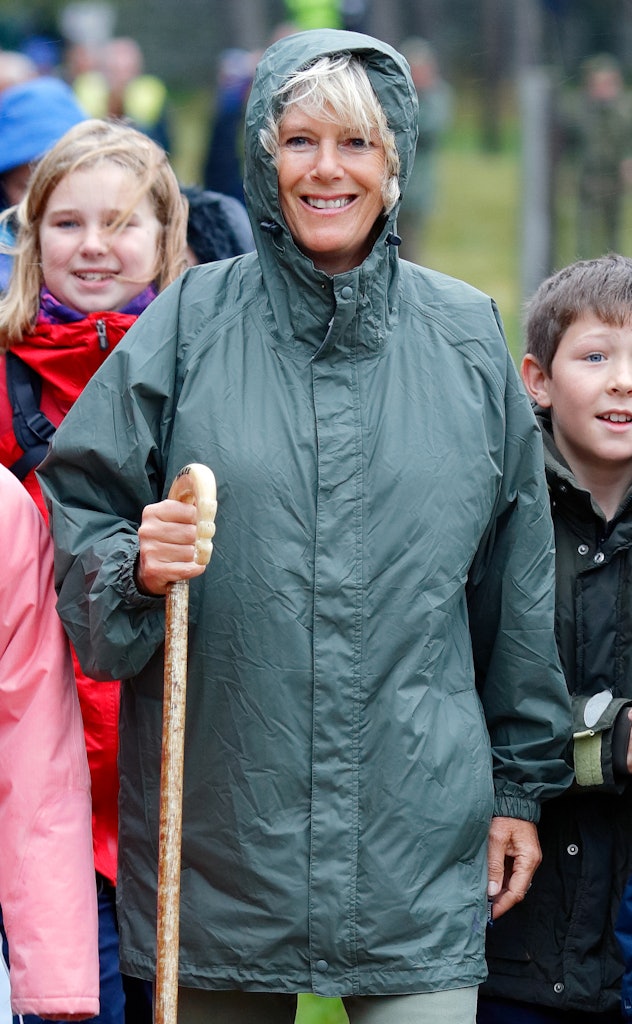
(555, 956)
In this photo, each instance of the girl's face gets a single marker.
(84, 264)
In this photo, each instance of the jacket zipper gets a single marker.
(102, 335)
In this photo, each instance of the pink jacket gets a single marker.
(47, 885)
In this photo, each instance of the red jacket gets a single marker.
(66, 356)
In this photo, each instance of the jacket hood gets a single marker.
(389, 75)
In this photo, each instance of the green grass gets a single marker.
(314, 1010)
(475, 230)
(473, 233)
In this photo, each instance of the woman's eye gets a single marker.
(297, 141)
(357, 143)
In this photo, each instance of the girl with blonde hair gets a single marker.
(101, 230)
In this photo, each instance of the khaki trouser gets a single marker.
(200, 1006)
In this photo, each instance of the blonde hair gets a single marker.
(337, 88)
(87, 144)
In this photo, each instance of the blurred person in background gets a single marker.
(598, 132)
(79, 59)
(45, 52)
(223, 171)
(435, 114)
(223, 168)
(34, 114)
(307, 14)
(120, 88)
(15, 68)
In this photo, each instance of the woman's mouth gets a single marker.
(328, 204)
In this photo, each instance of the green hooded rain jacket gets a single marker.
(372, 664)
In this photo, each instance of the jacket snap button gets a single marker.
(583, 549)
(346, 292)
(322, 966)
(572, 850)
(558, 987)
(599, 558)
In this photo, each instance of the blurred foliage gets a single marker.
(474, 232)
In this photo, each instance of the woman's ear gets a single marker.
(536, 380)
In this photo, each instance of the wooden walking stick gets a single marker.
(194, 484)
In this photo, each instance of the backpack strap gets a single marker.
(32, 429)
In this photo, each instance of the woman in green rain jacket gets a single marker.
(372, 668)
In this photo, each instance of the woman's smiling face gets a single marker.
(330, 189)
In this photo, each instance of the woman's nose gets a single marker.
(328, 164)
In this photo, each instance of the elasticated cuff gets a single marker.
(127, 586)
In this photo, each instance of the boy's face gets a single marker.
(589, 393)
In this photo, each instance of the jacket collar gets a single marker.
(310, 310)
(67, 355)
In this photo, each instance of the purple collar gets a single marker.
(54, 312)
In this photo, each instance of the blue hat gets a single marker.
(33, 117)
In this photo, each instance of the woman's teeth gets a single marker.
(328, 204)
